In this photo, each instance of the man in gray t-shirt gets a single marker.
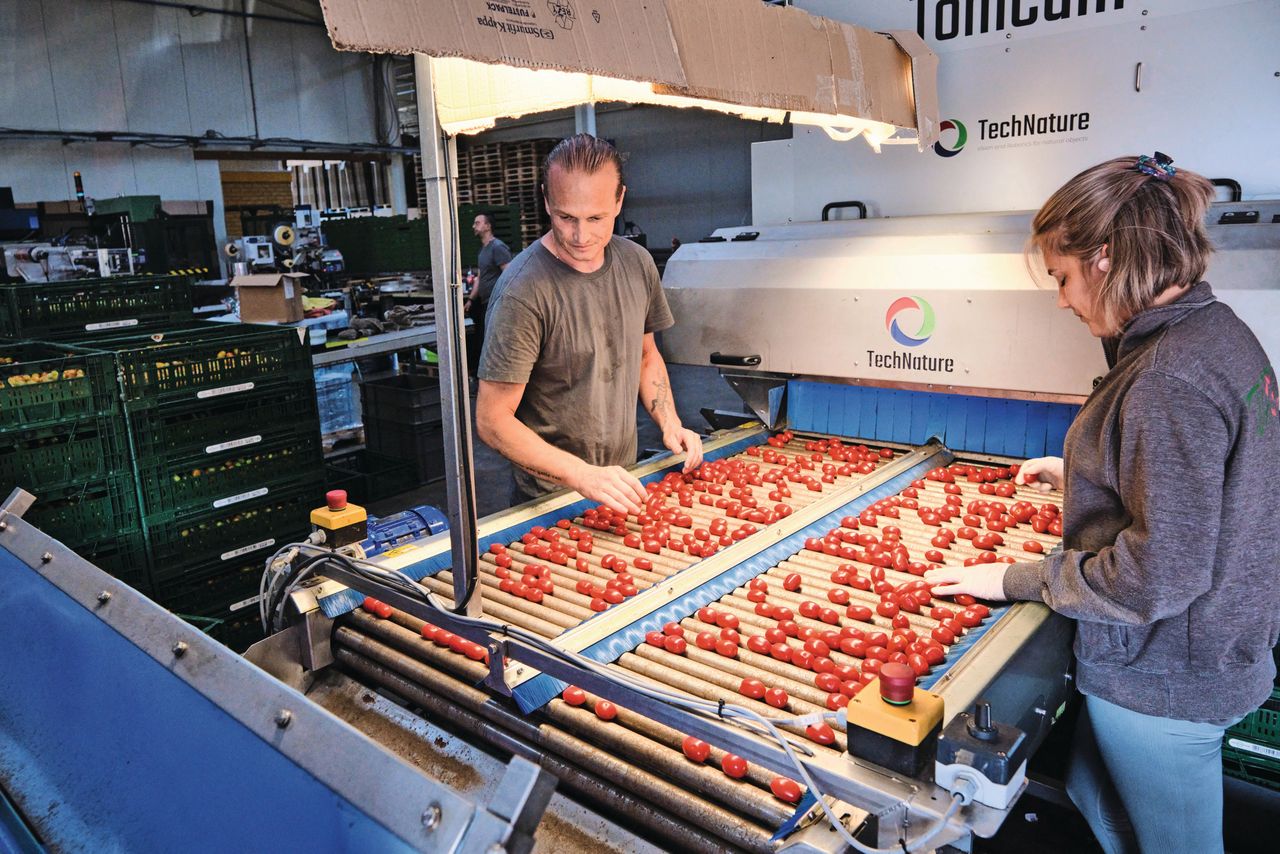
(570, 343)
(494, 258)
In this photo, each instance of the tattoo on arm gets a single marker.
(539, 473)
(661, 398)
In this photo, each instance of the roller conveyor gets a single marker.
(790, 625)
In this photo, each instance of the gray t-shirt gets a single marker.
(575, 340)
(492, 256)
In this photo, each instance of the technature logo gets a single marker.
(962, 136)
(904, 311)
(901, 304)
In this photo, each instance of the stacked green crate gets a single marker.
(225, 439)
(1251, 748)
(61, 439)
(74, 310)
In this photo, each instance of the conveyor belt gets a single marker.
(815, 626)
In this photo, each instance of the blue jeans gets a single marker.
(1147, 784)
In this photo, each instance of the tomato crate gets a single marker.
(88, 515)
(253, 526)
(43, 384)
(411, 399)
(421, 447)
(220, 599)
(85, 307)
(87, 448)
(369, 476)
(259, 416)
(1246, 764)
(206, 360)
(211, 475)
(125, 557)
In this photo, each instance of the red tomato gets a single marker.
(695, 748)
(758, 644)
(1033, 547)
(655, 638)
(706, 615)
(705, 640)
(673, 629)
(776, 697)
(792, 582)
(827, 682)
(675, 644)
(752, 688)
(733, 765)
(605, 710)
(727, 648)
(821, 733)
(781, 651)
(574, 696)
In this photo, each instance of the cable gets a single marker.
(744, 718)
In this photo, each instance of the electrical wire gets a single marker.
(744, 718)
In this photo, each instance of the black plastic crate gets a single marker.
(406, 399)
(85, 307)
(87, 516)
(203, 482)
(219, 599)
(43, 384)
(420, 446)
(86, 448)
(369, 476)
(204, 361)
(162, 435)
(249, 529)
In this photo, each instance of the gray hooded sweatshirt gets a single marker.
(1171, 556)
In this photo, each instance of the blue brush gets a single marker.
(343, 602)
(542, 688)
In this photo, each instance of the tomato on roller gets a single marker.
(776, 697)
(574, 696)
(752, 688)
(695, 748)
(734, 766)
(605, 710)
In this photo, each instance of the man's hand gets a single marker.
(1042, 473)
(684, 441)
(985, 581)
(613, 486)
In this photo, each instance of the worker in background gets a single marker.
(570, 343)
(1171, 538)
(494, 258)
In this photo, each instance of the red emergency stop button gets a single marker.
(897, 683)
(336, 499)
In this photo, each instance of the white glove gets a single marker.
(985, 581)
(1047, 472)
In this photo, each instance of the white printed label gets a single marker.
(226, 389)
(250, 548)
(234, 443)
(246, 603)
(110, 324)
(1254, 748)
(236, 499)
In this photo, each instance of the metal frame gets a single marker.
(388, 797)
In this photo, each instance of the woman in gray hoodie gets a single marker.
(1171, 535)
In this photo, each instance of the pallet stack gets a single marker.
(507, 173)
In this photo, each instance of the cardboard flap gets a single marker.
(256, 280)
(740, 52)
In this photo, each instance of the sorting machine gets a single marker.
(726, 671)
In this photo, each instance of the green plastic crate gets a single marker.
(219, 599)
(206, 361)
(125, 557)
(45, 384)
(1251, 748)
(253, 527)
(165, 436)
(87, 307)
(89, 448)
(87, 516)
(198, 482)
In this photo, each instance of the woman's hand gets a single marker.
(984, 581)
(1042, 473)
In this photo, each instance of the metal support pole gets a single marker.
(439, 158)
(584, 119)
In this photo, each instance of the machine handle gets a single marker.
(830, 206)
(1231, 184)
(718, 358)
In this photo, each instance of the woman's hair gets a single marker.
(1151, 224)
(583, 152)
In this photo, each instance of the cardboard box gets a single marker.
(740, 52)
(270, 297)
